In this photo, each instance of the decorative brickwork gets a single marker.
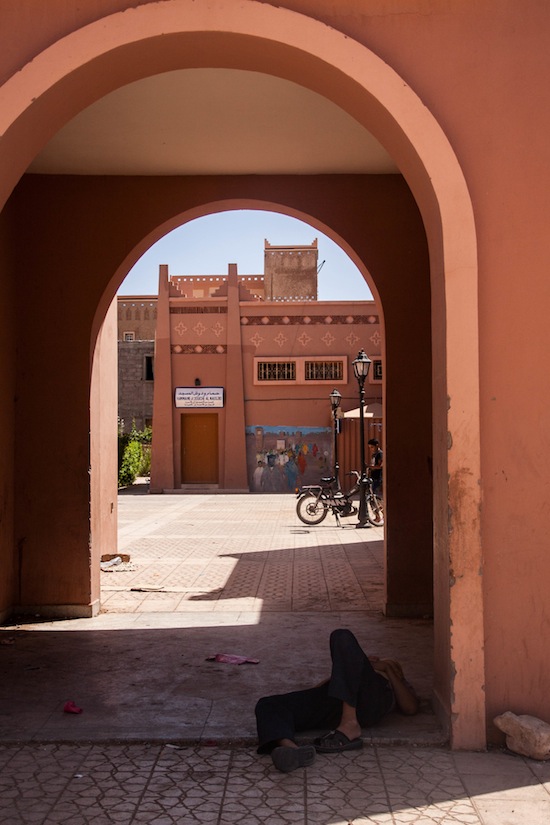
(198, 349)
(137, 316)
(198, 310)
(290, 272)
(295, 320)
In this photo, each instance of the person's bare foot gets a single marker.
(350, 729)
(335, 741)
(287, 743)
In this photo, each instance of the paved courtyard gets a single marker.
(250, 553)
(166, 736)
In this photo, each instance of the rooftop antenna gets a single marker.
(321, 265)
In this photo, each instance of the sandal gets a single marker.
(287, 759)
(335, 742)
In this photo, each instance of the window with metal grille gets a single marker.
(324, 370)
(377, 370)
(276, 371)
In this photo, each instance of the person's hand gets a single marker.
(390, 668)
(405, 697)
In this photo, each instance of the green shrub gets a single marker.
(144, 436)
(145, 468)
(131, 463)
(134, 453)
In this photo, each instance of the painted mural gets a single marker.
(280, 459)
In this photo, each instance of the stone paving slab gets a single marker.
(162, 784)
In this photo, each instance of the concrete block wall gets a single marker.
(135, 393)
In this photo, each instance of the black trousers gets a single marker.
(353, 680)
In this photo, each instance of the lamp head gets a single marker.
(335, 399)
(361, 366)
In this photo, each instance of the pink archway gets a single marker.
(72, 73)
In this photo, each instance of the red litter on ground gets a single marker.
(70, 707)
(232, 659)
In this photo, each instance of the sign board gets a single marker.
(198, 397)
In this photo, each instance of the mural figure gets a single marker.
(257, 477)
(291, 472)
(272, 478)
(280, 459)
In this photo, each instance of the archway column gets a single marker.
(463, 478)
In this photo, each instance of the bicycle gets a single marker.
(315, 501)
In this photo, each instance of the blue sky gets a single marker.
(207, 245)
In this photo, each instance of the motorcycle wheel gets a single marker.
(310, 509)
(375, 511)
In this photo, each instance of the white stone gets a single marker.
(525, 734)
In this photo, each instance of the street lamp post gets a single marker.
(335, 399)
(361, 367)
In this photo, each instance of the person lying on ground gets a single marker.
(358, 694)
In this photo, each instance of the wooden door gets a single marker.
(199, 448)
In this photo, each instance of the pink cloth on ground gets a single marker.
(70, 707)
(231, 659)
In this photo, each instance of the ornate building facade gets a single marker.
(244, 366)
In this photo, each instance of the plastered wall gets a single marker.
(481, 71)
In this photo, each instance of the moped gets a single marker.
(315, 501)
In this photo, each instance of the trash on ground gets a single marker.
(70, 707)
(106, 565)
(111, 556)
(231, 659)
(117, 566)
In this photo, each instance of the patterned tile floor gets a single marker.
(210, 552)
(85, 784)
(167, 737)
